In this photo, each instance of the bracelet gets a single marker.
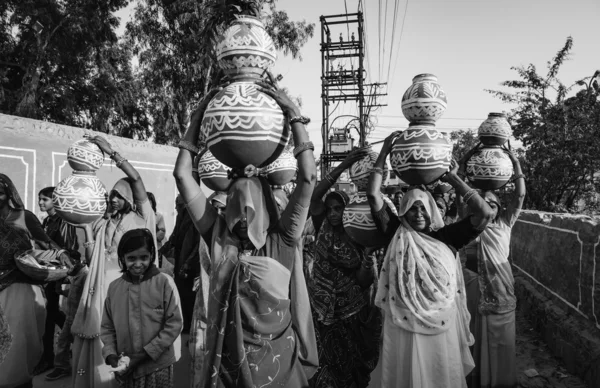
(377, 170)
(89, 244)
(120, 161)
(299, 119)
(194, 169)
(186, 145)
(518, 176)
(303, 147)
(469, 195)
(330, 179)
(112, 154)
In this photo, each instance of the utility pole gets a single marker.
(343, 78)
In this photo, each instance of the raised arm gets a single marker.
(481, 213)
(137, 185)
(376, 177)
(186, 183)
(295, 214)
(518, 196)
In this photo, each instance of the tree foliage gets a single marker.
(559, 126)
(463, 141)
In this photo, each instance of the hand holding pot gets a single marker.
(101, 142)
(388, 143)
(354, 156)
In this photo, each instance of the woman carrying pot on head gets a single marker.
(128, 208)
(347, 323)
(493, 294)
(21, 299)
(426, 328)
(259, 331)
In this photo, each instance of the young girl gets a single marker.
(142, 316)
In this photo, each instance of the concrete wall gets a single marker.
(34, 155)
(557, 273)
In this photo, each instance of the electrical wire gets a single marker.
(399, 42)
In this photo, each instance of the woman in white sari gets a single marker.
(426, 328)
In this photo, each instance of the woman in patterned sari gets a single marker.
(128, 208)
(347, 322)
(259, 329)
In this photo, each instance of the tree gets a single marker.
(60, 61)
(561, 134)
(174, 39)
(463, 141)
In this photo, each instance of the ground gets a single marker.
(533, 358)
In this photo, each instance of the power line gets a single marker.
(399, 42)
(393, 39)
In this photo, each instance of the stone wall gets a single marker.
(557, 273)
(34, 155)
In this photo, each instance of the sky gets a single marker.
(470, 45)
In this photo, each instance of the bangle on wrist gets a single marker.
(112, 154)
(120, 161)
(299, 119)
(330, 179)
(377, 170)
(518, 176)
(89, 244)
(469, 195)
(187, 145)
(303, 147)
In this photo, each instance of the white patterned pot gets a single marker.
(495, 130)
(424, 102)
(359, 224)
(421, 155)
(246, 48)
(243, 126)
(213, 173)
(83, 155)
(361, 170)
(439, 187)
(282, 170)
(489, 168)
(80, 198)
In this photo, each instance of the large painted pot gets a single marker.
(246, 48)
(495, 130)
(424, 102)
(213, 173)
(83, 155)
(80, 198)
(439, 187)
(421, 155)
(489, 168)
(361, 170)
(282, 170)
(243, 126)
(359, 224)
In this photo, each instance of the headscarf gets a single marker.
(247, 196)
(14, 199)
(123, 187)
(342, 196)
(219, 197)
(418, 283)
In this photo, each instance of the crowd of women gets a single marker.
(273, 290)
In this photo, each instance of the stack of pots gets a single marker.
(243, 126)
(80, 198)
(490, 168)
(357, 218)
(422, 154)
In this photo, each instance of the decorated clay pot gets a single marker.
(489, 168)
(421, 154)
(439, 187)
(282, 170)
(213, 173)
(83, 155)
(495, 130)
(246, 48)
(243, 126)
(359, 224)
(80, 198)
(424, 101)
(361, 170)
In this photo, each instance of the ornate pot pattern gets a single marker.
(213, 173)
(84, 155)
(421, 155)
(359, 224)
(282, 170)
(246, 48)
(495, 130)
(489, 169)
(361, 170)
(80, 198)
(243, 126)
(424, 102)
(439, 187)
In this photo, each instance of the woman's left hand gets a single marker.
(101, 142)
(287, 105)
